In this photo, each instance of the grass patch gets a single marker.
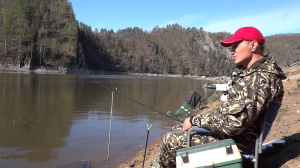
(283, 110)
(297, 120)
(289, 92)
(123, 165)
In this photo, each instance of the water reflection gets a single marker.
(32, 126)
(52, 120)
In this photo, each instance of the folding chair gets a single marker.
(269, 116)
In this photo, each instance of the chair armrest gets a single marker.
(198, 130)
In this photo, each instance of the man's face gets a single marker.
(241, 52)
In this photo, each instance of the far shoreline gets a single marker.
(10, 68)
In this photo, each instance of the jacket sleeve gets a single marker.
(247, 99)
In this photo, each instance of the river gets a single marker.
(54, 120)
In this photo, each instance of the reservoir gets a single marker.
(52, 120)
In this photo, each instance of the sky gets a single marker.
(269, 16)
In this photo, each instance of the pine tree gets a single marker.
(21, 25)
(7, 28)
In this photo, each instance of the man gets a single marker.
(257, 81)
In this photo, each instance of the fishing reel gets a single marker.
(224, 89)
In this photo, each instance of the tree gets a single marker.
(54, 49)
(7, 28)
(73, 35)
(46, 22)
(181, 66)
(43, 7)
(141, 63)
(20, 7)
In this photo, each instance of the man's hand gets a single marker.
(186, 124)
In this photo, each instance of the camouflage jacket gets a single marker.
(252, 91)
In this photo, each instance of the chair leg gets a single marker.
(256, 153)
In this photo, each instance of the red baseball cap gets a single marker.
(244, 33)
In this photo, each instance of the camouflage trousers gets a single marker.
(176, 139)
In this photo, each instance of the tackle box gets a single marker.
(221, 154)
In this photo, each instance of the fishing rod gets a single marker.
(136, 101)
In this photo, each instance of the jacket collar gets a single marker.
(266, 64)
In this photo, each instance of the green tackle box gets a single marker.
(221, 154)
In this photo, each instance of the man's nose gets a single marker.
(232, 50)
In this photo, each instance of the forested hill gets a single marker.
(46, 32)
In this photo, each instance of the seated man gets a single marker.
(257, 81)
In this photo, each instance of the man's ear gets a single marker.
(254, 45)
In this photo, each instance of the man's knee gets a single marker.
(175, 140)
(177, 127)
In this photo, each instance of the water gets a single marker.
(51, 120)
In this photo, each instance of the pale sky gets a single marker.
(270, 17)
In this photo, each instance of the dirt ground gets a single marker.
(286, 126)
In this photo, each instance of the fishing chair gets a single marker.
(269, 116)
